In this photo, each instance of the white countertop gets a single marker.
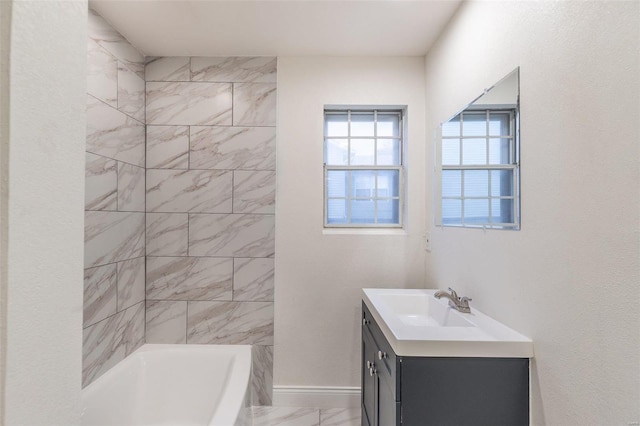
(417, 324)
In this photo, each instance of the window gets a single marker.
(480, 169)
(363, 168)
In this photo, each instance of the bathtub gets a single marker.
(173, 385)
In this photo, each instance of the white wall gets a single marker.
(43, 196)
(570, 278)
(319, 277)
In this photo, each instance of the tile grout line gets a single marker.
(112, 315)
(186, 323)
(145, 201)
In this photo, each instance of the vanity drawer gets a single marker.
(387, 364)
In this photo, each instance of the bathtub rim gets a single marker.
(233, 397)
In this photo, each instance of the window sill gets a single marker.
(364, 231)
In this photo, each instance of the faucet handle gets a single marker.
(464, 301)
(453, 293)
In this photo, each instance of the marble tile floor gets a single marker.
(295, 416)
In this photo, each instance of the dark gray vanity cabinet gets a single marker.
(423, 391)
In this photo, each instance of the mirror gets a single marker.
(479, 158)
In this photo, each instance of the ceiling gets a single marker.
(279, 28)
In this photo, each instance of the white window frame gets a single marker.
(514, 166)
(400, 168)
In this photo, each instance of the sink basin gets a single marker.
(417, 324)
(424, 310)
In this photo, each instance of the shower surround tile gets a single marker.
(113, 134)
(131, 93)
(189, 191)
(131, 282)
(210, 197)
(131, 188)
(106, 343)
(168, 147)
(189, 278)
(167, 234)
(254, 104)
(260, 69)
(231, 323)
(99, 294)
(186, 103)
(115, 200)
(166, 322)
(172, 68)
(101, 183)
(254, 192)
(253, 279)
(112, 236)
(102, 74)
(248, 148)
(286, 416)
(231, 235)
(112, 41)
(262, 374)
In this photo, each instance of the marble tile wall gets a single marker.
(115, 196)
(210, 203)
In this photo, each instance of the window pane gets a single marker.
(362, 152)
(388, 211)
(336, 183)
(474, 151)
(336, 125)
(336, 211)
(451, 211)
(501, 183)
(476, 183)
(502, 210)
(337, 152)
(362, 211)
(451, 183)
(451, 152)
(499, 151)
(388, 183)
(363, 183)
(364, 194)
(474, 124)
(388, 125)
(389, 152)
(477, 190)
(499, 124)
(451, 127)
(476, 211)
(361, 124)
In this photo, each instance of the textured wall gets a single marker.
(211, 205)
(42, 171)
(570, 278)
(114, 258)
(320, 275)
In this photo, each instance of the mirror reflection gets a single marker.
(479, 158)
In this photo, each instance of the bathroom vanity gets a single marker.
(425, 364)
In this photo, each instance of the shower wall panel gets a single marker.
(211, 133)
(115, 195)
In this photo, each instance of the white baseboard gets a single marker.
(317, 396)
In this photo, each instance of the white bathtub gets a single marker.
(173, 385)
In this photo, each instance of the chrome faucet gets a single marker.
(458, 303)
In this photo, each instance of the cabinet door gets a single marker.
(388, 408)
(465, 391)
(369, 381)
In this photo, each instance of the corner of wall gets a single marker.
(5, 44)
(42, 132)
